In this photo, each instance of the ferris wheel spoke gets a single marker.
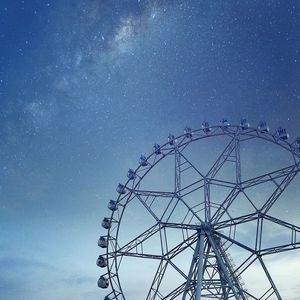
(139, 255)
(292, 232)
(149, 198)
(136, 244)
(222, 209)
(187, 164)
(273, 289)
(158, 277)
(165, 261)
(192, 187)
(233, 241)
(177, 269)
(280, 248)
(222, 183)
(199, 184)
(149, 193)
(272, 176)
(235, 221)
(179, 225)
(135, 248)
(240, 269)
(286, 175)
(189, 208)
(278, 191)
(225, 156)
(186, 243)
(175, 292)
(182, 164)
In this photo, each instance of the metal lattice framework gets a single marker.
(209, 227)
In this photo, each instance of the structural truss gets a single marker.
(202, 208)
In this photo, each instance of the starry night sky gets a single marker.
(87, 86)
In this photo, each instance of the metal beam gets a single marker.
(200, 266)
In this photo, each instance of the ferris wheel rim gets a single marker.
(260, 135)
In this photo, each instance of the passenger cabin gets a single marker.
(103, 282)
(263, 127)
(224, 123)
(244, 124)
(188, 132)
(171, 139)
(131, 174)
(101, 262)
(156, 149)
(205, 127)
(112, 205)
(143, 161)
(121, 189)
(282, 134)
(102, 242)
(106, 223)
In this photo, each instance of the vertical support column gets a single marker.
(259, 228)
(157, 280)
(207, 200)
(222, 266)
(200, 266)
(191, 271)
(163, 239)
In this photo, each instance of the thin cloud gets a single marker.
(23, 264)
(79, 280)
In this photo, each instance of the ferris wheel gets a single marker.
(202, 215)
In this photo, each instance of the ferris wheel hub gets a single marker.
(206, 226)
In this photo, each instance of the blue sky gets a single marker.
(87, 86)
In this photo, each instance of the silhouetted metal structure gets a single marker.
(209, 226)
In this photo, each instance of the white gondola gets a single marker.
(143, 161)
(263, 127)
(282, 134)
(171, 139)
(106, 223)
(224, 123)
(205, 127)
(121, 189)
(101, 262)
(103, 282)
(112, 205)
(244, 124)
(156, 149)
(188, 132)
(102, 242)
